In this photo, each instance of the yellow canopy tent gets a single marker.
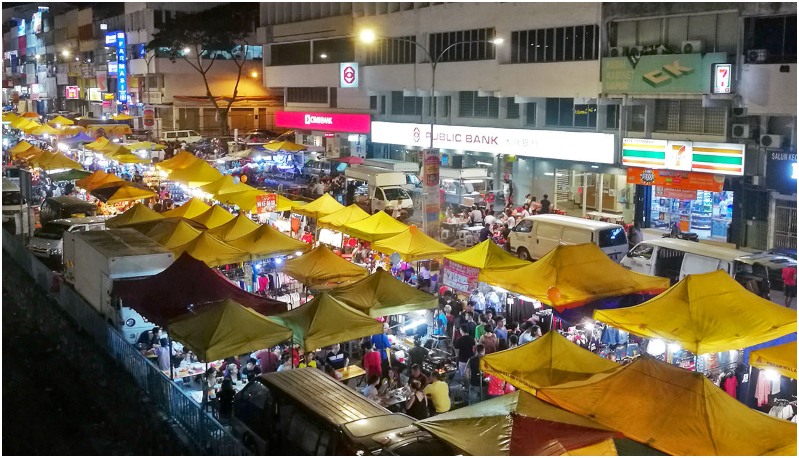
(225, 182)
(60, 120)
(180, 160)
(324, 321)
(232, 189)
(781, 358)
(380, 294)
(138, 213)
(320, 207)
(197, 174)
(98, 144)
(86, 181)
(98, 178)
(673, 410)
(285, 146)
(123, 191)
(60, 161)
(172, 233)
(193, 207)
(30, 114)
(32, 155)
(413, 245)
(149, 146)
(29, 125)
(518, 424)
(20, 147)
(267, 241)
(224, 329)
(43, 130)
(321, 267)
(213, 217)
(9, 116)
(338, 218)
(238, 227)
(549, 360)
(574, 275)
(376, 227)
(71, 130)
(246, 201)
(117, 152)
(212, 251)
(705, 313)
(40, 158)
(487, 255)
(121, 117)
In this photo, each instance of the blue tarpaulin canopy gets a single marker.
(82, 137)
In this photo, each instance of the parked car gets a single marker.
(47, 242)
(259, 136)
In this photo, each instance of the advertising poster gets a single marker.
(459, 277)
(102, 81)
(430, 186)
(266, 203)
(689, 181)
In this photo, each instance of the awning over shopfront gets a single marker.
(321, 267)
(705, 313)
(379, 226)
(487, 255)
(675, 411)
(226, 328)
(781, 358)
(171, 233)
(413, 245)
(196, 174)
(549, 360)
(266, 242)
(188, 284)
(380, 294)
(574, 275)
(212, 251)
(339, 218)
(213, 217)
(238, 227)
(518, 424)
(324, 321)
(193, 207)
(320, 207)
(138, 213)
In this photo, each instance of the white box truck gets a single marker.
(380, 189)
(94, 259)
(410, 169)
(465, 187)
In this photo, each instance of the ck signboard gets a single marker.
(660, 74)
(348, 74)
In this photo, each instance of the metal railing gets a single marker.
(206, 433)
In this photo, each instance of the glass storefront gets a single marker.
(706, 213)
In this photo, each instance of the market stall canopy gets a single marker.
(124, 191)
(98, 144)
(117, 152)
(181, 160)
(236, 228)
(380, 294)
(322, 206)
(193, 207)
(413, 245)
(69, 175)
(138, 213)
(212, 251)
(781, 358)
(31, 155)
(197, 174)
(285, 146)
(43, 130)
(60, 120)
(379, 226)
(72, 130)
(233, 189)
(81, 137)
(30, 114)
(20, 147)
(573, 275)
(9, 116)
(149, 146)
(487, 255)
(96, 179)
(246, 201)
(518, 424)
(121, 117)
(549, 360)
(225, 182)
(705, 313)
(188, 284)
(324, 321)
(24, 124)
(348, 214)
(224, 329)
(266, 242)
(172, 233)
(674, 410)
(59, 161)
(213, 217)
(321, 267)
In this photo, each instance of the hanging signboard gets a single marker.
(660, 74)
(459, 277)
(722, 79)
(122, 67)
(718, 158)
(348, 74)
(73, 92)
(691, 181)
(266, 203)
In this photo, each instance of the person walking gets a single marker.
(789, 280)
(474, 376)
(545, 203)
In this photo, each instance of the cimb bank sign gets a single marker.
(545, 144)
(329, 122)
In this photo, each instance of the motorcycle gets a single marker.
(676, 233)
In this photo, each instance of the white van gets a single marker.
(535, 236)
(47, 242)
(188, 136)
(674, 258)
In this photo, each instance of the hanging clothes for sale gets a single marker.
(762, 389)
(730, 384)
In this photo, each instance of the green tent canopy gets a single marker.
(380, 294)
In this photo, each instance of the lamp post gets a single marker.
(368, 36)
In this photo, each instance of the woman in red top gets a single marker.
(371, 360)
(789, 280)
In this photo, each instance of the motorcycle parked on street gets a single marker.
(676, 233)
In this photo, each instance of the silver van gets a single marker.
(47, 242)
(188, 136)
(535, 236)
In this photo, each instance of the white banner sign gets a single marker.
(570, 146)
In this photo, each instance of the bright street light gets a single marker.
(254, 74)
(368, 36)
(65, 53)
(186, 50)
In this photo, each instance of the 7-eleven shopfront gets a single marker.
(683, 183)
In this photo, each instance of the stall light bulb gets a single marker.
(589, 326)
(656, 347)
(298, 253)
(772, 375)
(278, 261)
(674, 348)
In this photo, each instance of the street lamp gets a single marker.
(369, 36)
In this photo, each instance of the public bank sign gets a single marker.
(546, 144)
(660, 74)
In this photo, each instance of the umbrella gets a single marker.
(61, 120)
(123, 191)
(69, 175)
(284, 146)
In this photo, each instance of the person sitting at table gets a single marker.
(416, 406)
(391, 381)
(308, 360)
(233, 373)
(209, 384)
(250, 370)
(417, 374)
(145, 341)
(438, 391)
(224, 399)
(337, 358)
(370, 390)
(332, 372)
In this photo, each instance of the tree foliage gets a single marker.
(221, 32)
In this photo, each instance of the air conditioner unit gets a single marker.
(617, 51)
(741, 131)
(635, 51)
(740, 111)
(771, 141)
(756, 56)
(691, 46)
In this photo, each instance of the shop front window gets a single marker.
(706, 213)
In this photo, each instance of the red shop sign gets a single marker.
(329, 122)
